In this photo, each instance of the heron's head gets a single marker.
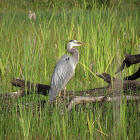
(73, 43)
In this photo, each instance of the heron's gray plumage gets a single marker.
(61, 76)
(64, 70)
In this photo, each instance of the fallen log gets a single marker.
(115, 87)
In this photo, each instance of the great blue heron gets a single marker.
(64, 69)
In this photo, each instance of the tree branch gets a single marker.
(80, 100)
(130, 60)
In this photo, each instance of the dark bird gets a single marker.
(64, 69)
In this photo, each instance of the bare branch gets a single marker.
(81, 99)
(130, 60)
(12, 95)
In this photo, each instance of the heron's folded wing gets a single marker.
(62, 74)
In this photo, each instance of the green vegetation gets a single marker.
(30, 49)
(18, 5)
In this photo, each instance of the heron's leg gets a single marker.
(59, 95)
(64, 92)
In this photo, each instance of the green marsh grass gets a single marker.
(30, 50)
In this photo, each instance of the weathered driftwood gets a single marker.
(130, 60)
(81, 99)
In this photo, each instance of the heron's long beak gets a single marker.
(80, 43)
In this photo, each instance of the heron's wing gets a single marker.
(63, 72)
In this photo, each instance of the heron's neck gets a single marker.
(75, 54)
